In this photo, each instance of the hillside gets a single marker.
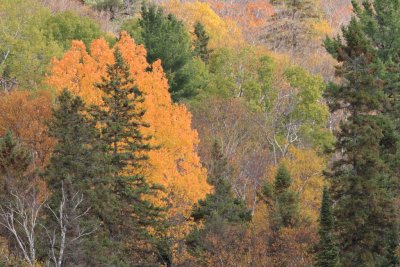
(199, 133)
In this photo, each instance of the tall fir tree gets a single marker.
(120, 119)
(379, 22)
(221, 209)
(166, 38)
(78, 166)
(328, 253)
(364, 179)
(15, 159)
(285, 204)
(200, 42)
(222, 202)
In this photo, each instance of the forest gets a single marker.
(185, 133)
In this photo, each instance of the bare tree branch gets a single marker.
(20, 217)
(60, 240)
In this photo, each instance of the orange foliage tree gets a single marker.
(25, 114)
(175, 165)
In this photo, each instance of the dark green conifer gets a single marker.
(14, 161)
(77, 168)
(364, 176)
(221, 210)
(328, 253)
(286, 208)
(166, 38)
(201, 42)
(119, 119)
(222, 202)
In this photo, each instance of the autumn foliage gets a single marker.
(306, 168)
(204, 135)
(25, 114)
(175, 165)
(223, 32)
(252, 16)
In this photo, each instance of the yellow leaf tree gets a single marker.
(222, 32)
(175, 165)
(305, 167)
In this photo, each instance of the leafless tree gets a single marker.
(67, 217)
(20, 217)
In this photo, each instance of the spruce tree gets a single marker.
(328, 253)
(120, 119)
(166, 38)
(221, 209)
(14, 161)
(364, 177)
(222, 202)
(285, 201)
(201, 42)
(78, 166)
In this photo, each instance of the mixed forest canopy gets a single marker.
(199, 133)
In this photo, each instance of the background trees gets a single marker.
(293, 23)
(26, 114)
(22, 40)
(253, 74)
(67, 26)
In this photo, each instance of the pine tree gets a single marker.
(363, 179)
(166, 38)
(76, 157)
(222, 203)
(328, 253)
(77, 165)
(120, 119)
(285, 201)
(14, 161)
(221, 209)
(201, 42)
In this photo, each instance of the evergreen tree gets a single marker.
(14, 161)
(201, 42)
(78, 165)
(285, 201)
(328, 253)
(166, 38)
(364, 178)
(222, 202)
(120, 119)
(378, 21)
(220, 209)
